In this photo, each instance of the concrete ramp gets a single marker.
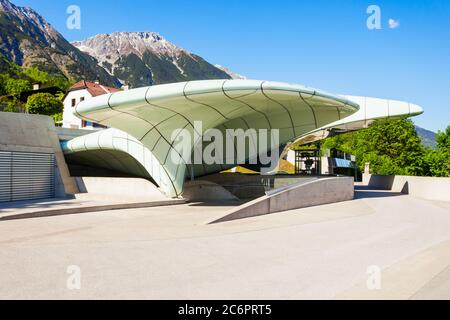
(296, 196)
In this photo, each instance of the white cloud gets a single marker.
(394, 24)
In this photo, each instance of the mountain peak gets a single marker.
(109, 47)
(30, 19)
(233, 75)
(7, 6)
(10, 8)
(142, 34)
(27, 39)
(145, 58)
(135, 58)
(148, 36)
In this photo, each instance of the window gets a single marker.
(81, 99)
(85, 124)
(74, 102)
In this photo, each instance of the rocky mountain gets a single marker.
(428, 137)
(135, 58)
(146, 58)
(27, 39)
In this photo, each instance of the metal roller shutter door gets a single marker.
(26, 176)
(5, 176)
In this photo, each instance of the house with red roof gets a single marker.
(81, 91)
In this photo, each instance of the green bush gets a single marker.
(58, 117)
(44, 103)
(13, 105)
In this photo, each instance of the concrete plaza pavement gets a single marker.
(174, 253)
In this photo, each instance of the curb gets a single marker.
(91, 209)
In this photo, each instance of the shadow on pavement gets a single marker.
(38, 204)
(217, 204)
(370, 194)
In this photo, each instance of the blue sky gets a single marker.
(323, 44)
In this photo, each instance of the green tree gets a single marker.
(36, 75)
(437, 162)
(443, 140)
(391, 147)
(3, 79)
(44, 103)
(58, 81)
(15, 87)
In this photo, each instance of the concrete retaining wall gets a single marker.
(34, 133)
(429, 188)
(300, 195)
(206, 191)
(247, 186)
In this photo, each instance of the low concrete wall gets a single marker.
(34, 133)
(429, 188)
(118, 189)
(300, 195)
(245, 186)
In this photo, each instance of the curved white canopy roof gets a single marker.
(148, 117)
